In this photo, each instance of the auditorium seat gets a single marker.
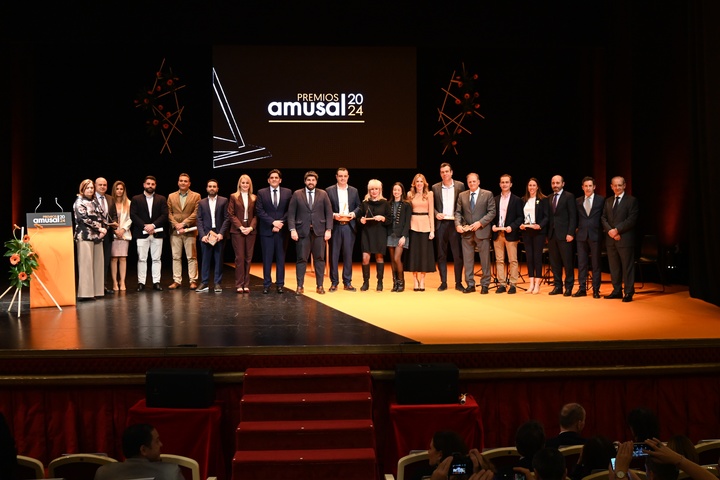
(189, 467)
(78, 466)
(572, 455)
(411, 466)
(29, 468)
(708, 452)
(503, 457)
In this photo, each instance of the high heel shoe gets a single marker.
(122, 287)
(530, 289)
(537, 288)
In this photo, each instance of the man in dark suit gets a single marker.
(561, 232)
(271, 207)
(588, 237)
(474, 213)
(212, 216)
(445, 195)
(345, 201)
(619, 219)
(572, 422)
(108, 207)
(506, 234)
(149, 214)
(310, 219)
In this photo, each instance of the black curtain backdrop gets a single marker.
(599, 88)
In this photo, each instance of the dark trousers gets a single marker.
(273, 248)
(211, 254)
(341, 245)
(315, 245)
(561, 257)
(448, 239)
(622, 267)
(591, 248)
(107, 249)
(534, 243)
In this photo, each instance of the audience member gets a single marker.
(684, 446)
(595, 457)
(529, 439)
(643, 424)
(659, 454)
(572, 421)
(443, 445)
(8, 452)
(141, 447)
(182, 212)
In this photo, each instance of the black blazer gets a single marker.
(437, 196)
(267, 212)
(588, 227)
(301, 217)
(563, 221)
(400, 225)
(353, 202)
(542, 216)
(624, 218)
(140, 215)
(514, 218)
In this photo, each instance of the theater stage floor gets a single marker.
(181, 318)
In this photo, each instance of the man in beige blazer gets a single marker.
(182, 212)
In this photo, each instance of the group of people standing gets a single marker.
(410, 227)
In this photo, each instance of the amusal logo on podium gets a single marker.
(318, 108)
(50, 219)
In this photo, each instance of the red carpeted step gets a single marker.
(305, 406)
(307, 380)
(305, 434)
(345, 464)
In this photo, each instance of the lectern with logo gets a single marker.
(52, 239)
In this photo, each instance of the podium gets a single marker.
(51, 235)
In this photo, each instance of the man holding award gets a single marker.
(345, 202)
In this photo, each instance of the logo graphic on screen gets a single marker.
(319, 108)
(237, 150)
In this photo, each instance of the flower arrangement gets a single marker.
(162, 105)
(460, 104)
(23, 259)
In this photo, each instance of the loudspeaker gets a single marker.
(179, 388)
(426, 383)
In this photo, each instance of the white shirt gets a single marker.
(448, 201)
(502, 208)
(343, 200)
(212, 202)
(149, 199)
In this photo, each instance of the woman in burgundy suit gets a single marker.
(241, 210)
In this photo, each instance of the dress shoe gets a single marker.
(299, 291)
(349, 288)
(459, 287)
(141, 287)
(442, 287)
(266, 290)
(614, 295)
(156, 286)
(500, 289)
(567, 293)
(193, 285)
(556, 291)
(109, 292)
(320, 290)
(469, 289)
(333, 288)
(484, 291)
(202, 288)
(217, 289)
(280, 289)
(627, 298)
(173, 286)
(512, 290)
(580, 293)
(596, 294)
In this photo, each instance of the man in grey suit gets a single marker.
(345, 201)
(310, 219)
(588, 237)
(619, 219)
(561, 232)
(141, 448)
(445, 195)
(474, 212)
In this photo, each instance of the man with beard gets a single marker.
(149, 214)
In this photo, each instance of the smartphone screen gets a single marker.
(639, 450)
(612, 462)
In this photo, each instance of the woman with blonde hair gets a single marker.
(121, 240)
(421, 258)
(375, 217)
(90, 229)
(243, 222)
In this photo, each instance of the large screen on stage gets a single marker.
(314, 107)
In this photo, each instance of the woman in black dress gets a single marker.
(375, 216)
(398, 234)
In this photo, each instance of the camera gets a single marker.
(639, 449)
(461, 465)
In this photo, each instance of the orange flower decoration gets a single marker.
(15, 259)
(22, 276)
(26, 239)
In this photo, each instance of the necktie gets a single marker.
(472, 201)
(310, 198)
(555, 200)
(275, 200)
(587, 206)
(617, 200)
